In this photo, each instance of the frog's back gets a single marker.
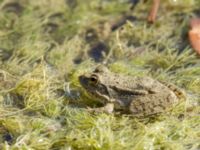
(161, 101)
(152, 104)
(131, 82)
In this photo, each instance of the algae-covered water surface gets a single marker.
(46, 44)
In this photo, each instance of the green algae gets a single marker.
(42, 105)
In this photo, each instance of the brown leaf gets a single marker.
(153, 12)
(194, 34)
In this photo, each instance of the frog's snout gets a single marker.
(83, 80)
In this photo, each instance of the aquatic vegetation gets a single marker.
(46, 45)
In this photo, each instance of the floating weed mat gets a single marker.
(46, 45)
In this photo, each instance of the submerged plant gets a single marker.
(46, 45)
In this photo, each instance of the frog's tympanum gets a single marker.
(139, 96)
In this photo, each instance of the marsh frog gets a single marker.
(139, 96)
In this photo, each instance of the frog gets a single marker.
(135, 95)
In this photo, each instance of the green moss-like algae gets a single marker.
(46, 45)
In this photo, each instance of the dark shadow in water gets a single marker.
(98, 51)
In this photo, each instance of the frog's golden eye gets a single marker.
(94, 79)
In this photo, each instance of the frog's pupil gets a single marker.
(93, 79)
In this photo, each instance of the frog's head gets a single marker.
(95, 83)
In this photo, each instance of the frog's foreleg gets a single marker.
(108, 108)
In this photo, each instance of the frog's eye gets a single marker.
(94, 79)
